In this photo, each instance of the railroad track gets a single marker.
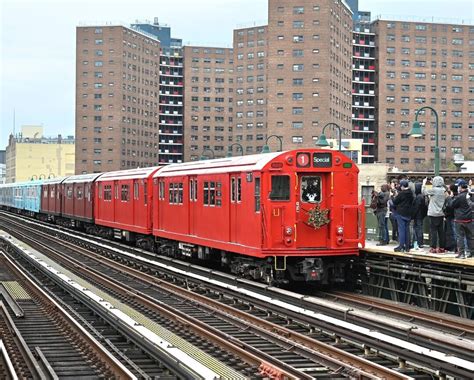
(39, 338)
(385, 354)
(438, 321)
(290, 321)
(265, 342)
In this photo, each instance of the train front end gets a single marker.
(314, 224)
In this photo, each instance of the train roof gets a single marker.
(139, 173)
(81, 178)
(53, 181)
(228, 165)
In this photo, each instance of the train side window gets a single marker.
(180, 193)
(232, 189)
(69, 192)
(239, 189)
(107, 193)
(311, 189)
(162, 190)
(45, 192)
(195, 190)
(280, 188)
(191, 190)
(145, 193)
(125, 194)
(206, 193)
(171, 193)
(100, 190)
(212, 193)
(79, 192)
(136, 194)
(257, 194)
(116, 190)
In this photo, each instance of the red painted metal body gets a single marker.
(236, 204)
(78, 197)
(124, 200)
(51, 196)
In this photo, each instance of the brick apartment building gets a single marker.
(117, 89)
(309, 69)
(251, 93)
(424, 64)
(209, 101)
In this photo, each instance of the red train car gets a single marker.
(124, 203)
(287, 215)
(51, 197)
(78, 200)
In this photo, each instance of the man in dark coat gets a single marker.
(463, 221)
(381, 212)
(404, 203)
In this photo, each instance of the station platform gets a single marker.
(422, 254)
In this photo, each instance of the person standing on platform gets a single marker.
(463, 221)
(403, 203)
(449, 227)
(381, 211)
(420, 211)
(435, 212)
(391, 209)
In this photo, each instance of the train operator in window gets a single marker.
(311, 189)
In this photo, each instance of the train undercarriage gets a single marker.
(273, 270)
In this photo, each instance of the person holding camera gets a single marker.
(435, 213)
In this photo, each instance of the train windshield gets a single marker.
(280, 188)
(311, 189)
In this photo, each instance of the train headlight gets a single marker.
(288, 231)
(340, 230)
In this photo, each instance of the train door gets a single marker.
(309, 195)
(193, 205)
(235, 203)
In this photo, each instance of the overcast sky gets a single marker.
(37, 43)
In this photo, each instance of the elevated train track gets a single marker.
(299, 330)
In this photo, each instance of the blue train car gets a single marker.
(24, 196)
(6, 195)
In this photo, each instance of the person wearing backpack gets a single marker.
(435, 213)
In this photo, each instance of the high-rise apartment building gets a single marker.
(364, 124)
(171, 84)
(209, 101)
(250, 97)
(117, 98)
(309, 69)
(424, 64)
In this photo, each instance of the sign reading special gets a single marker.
(322, 160)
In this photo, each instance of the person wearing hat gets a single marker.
(463, 221)
(437, 196)
(403, 204)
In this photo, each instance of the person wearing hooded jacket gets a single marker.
(463, 221)
(435, 213)
(403, 203)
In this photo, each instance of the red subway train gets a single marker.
(275, 217)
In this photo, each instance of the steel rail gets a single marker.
(107, 360)
(334, 356)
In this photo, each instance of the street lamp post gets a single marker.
(266, 148)
(203, 157)
(229, 149)
(417, 132)
(323, 142)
